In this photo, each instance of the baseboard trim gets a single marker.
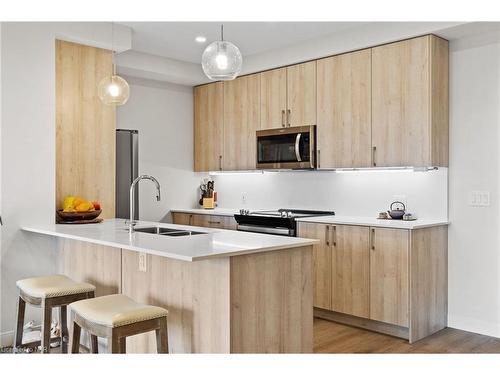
(6, 338)
(368, 324)
(474, 325)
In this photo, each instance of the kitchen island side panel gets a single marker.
(272, 302)
(196, 294)
(95, 264)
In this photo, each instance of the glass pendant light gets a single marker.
(113, 90)
(221, 60)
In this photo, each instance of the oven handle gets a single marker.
(297, 144)
(269, 230)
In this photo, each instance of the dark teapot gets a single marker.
(397, 210)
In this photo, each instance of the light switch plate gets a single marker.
(479, 198)
(143, 266)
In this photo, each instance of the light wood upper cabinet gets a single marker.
(351, 270)
(385, 106)
(241, 121)
(301, 94)
(344, 110)
(85, 127)
(208, 127)
(410, 103)
(273, 99)
(322, 262)
(389, 281)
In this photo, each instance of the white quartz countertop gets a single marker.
(337, 219)
(373, 222)
(215, 243)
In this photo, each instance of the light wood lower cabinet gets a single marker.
(322, 263)
(340, 267)
(204, 220)
(389, 276)
(388, 280)
(351, 270)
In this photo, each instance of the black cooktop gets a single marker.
(282, 218)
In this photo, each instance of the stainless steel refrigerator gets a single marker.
(127, 170)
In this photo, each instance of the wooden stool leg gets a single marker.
(75, 338)
(162, 337)
(18, 335)
(46, 322)
(93, 344)
(63, 322)
(113, 344)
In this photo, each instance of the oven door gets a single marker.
(286, 148)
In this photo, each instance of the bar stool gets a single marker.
(48, 292)
(116, 317)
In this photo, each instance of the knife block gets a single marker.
(208, 203)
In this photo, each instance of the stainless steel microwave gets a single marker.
(287, 148)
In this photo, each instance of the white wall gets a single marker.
(163, 114)
(359, 193)
(28, 149)
(474, 252)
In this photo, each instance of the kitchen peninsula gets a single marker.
(226, 291)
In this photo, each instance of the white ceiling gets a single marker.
(175, 40)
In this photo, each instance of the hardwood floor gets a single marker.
(331, 337)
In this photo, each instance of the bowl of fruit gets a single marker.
(78, 209)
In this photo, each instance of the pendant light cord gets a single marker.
(222, 32)
(113, 47)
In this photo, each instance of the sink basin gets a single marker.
(167, 231)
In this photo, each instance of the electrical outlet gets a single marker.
(479, 198)
(143, 259)
(244, 197)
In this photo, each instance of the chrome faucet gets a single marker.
(132, 222)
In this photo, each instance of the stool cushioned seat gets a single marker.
(52, 286)
(115, 310)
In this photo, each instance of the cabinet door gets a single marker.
(351, 270)
(344, 110)
(389, 276)
(301, 94)
(241, 121)
(400, 103)
(322, 262)
(208, 127)
(181, 218)
(273, 99)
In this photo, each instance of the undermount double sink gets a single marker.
(167, 231)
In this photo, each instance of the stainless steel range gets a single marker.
(280, 222)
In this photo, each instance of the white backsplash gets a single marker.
(358, 193)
